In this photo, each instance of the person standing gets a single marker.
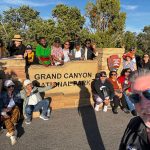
(146, 62)
(43, 52)
(78, 52)
(66, 51)
(16, 48)
(137, 133)
(90, 50)
(57, 52)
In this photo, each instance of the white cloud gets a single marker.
(129, 7)
(33, 3)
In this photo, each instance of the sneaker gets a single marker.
(134, 113)
(9, 134)
(126, 110)
(105, 108)
(96, 107)
(115, 111)
(44, 117)
(13, 140)
(27, 121)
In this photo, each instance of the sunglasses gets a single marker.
(88, 43)
(10, 86)
(113, 74)
(67, 44)
(136, 98)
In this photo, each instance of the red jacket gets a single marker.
(121, 80)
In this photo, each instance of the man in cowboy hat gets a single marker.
(16, 48)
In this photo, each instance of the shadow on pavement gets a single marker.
(89, 121)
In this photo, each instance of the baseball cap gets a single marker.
(132, 48)
(57, 40)
(8, 83)
(28, 47)
(103, 74)
(26, 82)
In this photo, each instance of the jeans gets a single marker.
(44, 105)
(129, 103)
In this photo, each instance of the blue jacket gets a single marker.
(5, 99)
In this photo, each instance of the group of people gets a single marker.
(14, 104)
(57, 54)
(115, 89)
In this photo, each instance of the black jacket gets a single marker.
(146, 65)
(13, 50)
(135, 136)
(97, 85)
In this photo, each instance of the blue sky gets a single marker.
(138, 11)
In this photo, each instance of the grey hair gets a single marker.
(139, 73)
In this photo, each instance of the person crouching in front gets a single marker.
(10, 110)
(102, 91)
(33, 100)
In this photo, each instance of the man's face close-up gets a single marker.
(142, 88)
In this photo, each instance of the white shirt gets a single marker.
(66, 57)
(33, 100)
(78, 54)
(11, 103)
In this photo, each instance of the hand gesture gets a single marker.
(53, 84)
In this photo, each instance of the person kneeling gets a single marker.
(33, 100)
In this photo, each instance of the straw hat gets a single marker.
(17, 38)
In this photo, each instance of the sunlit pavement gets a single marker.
(71, 129)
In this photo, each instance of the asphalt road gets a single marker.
(71, 129)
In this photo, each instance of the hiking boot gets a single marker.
(44, 117)
(13, 140)
(27, 121)
(105, 108)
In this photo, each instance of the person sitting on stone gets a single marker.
(10, 109)
(43, 52)
(102, 91)
(16, 48)
(57, 52)
(78, 52)
(33, 100)
(118, 98)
